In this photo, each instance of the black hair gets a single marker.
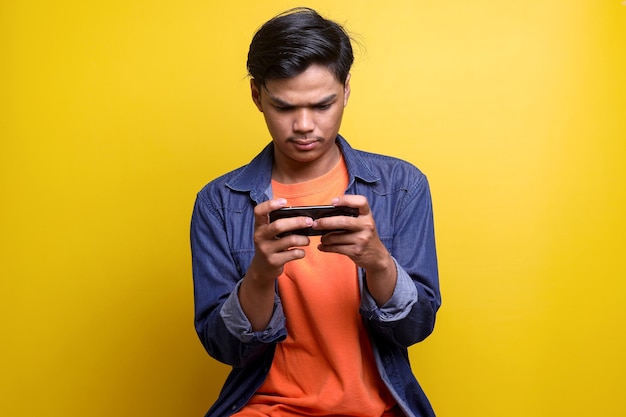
(286, 45)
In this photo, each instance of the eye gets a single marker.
(323, 106)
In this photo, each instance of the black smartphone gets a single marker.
(314, 212)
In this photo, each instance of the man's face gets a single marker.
(303, 115)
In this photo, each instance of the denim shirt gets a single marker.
(222, 248)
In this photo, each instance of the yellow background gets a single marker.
(114, 113)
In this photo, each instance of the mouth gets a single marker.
(305, 144)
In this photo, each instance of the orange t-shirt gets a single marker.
(326, 365)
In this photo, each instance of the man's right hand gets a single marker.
(256, 293)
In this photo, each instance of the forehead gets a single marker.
(312, 85)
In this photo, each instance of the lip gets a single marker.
(305, 145)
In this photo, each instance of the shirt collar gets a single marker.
(256, 177)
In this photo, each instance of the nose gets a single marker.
(303, 121)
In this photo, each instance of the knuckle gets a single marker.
(369, 225)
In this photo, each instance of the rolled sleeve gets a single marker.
(239, 326)
(399, 305)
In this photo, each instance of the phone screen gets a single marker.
(314, 212)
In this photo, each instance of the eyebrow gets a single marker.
(326, 100)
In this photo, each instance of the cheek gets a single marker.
(277, 125)
(333, 120)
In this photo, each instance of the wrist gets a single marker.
(257, 283)
(383, 266)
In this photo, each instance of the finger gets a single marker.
(290, 224)
(262, 210)
(291, 241)
(338, 223)
(352, 200)
(289, 254)
(273, 252)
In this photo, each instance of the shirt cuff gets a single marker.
(399, 305)
(239, 326)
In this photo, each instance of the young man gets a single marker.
(313, 325)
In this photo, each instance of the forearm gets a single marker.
(407, 317)
(227, 334)
(256, 297)
(381, 279)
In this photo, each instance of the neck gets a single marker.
(293, 172)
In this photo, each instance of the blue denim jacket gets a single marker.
(222, 249)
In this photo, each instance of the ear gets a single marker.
(346, 91)
(256, 95)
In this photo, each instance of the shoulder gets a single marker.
(373, 168)
(250, 179)
(392, 171)
(221, 181)
(387, 161)
(217, 192)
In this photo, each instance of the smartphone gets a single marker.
(314, 212)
